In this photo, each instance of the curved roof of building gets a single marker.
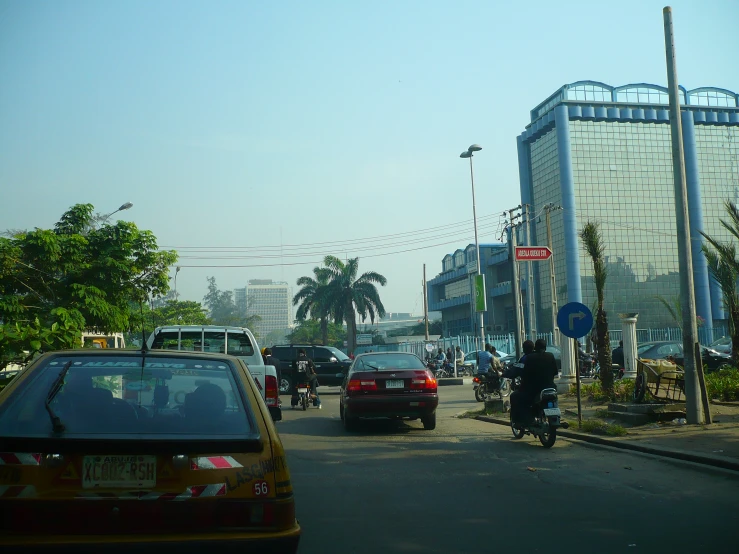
(635, 93)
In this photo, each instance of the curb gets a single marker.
(454, 381)
(722, 403)
(722, 463)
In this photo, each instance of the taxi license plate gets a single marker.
(394, 384)
(302, 390)
(119, 471)
(552, 411)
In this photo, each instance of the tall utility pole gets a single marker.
(514, 282)
(552, 280)
(425, 304)
(691, 348)
(530, 276)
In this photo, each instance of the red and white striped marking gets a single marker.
(17, 491)
(19, 459)
(196, 491)
(214, 462)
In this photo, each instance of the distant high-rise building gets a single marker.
(270, 300)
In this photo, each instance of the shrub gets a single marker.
(597, 427)
(623, 391)
(723, 384)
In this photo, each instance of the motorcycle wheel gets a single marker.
(640, 388)
(548, 439)
(517, 433)
(305, 403)
(505, 388)
(479, 396)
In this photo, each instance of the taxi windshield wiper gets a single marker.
(57, 425)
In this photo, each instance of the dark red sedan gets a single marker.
(393, 385)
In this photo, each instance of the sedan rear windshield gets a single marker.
(105, 396)
(375, 362)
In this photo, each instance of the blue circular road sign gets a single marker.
(574, 320)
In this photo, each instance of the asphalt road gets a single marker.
(392, 487)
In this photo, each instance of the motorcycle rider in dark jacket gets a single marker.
(304, 371)
(537, 372)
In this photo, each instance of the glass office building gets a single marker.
(604, 154)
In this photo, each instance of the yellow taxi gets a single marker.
(107, 450)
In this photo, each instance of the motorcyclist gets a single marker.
(537, 372)
(304, 371)
(484, 359)
(458, 357)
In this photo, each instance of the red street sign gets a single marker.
(532, 253)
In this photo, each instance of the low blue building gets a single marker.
(450, 292)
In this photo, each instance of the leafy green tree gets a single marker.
(313, 300)
(222, 309)
(55, 283)
(348, 295)
(309, 332)
(723, 265)
(593, 241)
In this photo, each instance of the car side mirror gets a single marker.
(333, 359)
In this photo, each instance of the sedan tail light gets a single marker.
(429, 383)
(361, 385)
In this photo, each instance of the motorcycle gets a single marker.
(487, 386)
(305, 396)
(546, 418)
(618, 372)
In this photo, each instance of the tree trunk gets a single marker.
(734, 315)
(604, 353)
(351, 328)
(324, 331)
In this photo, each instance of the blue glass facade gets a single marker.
(604, 154)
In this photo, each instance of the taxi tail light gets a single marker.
(271, 393)
(361, 385)
(237, 513)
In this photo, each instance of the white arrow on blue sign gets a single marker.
(574, 320)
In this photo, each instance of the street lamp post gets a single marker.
(177, 270)
(468, 154)
(125, 206)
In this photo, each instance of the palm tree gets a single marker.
(724, 267)
(593, 242)
(312, 300)
(349, 296)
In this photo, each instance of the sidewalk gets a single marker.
(716, 444)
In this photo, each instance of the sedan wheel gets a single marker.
(350, 423)
(429, 422)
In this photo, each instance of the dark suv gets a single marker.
(331, 363)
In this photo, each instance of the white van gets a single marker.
(235, 341)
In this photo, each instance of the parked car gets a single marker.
(554, 350)
(393, 385)
(722, 345)
(712, 359)
(470, 359)
(141, 451)
(331, 363)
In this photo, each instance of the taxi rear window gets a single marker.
(115, 395)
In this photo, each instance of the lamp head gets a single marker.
(474, 148)
(465, 154)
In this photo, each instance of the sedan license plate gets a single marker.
(302, 390)
(394, 384)
(552, 411)
(119, 471)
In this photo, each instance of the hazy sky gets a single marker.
(258, 137)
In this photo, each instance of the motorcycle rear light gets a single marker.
(550, 405)
(476, 379)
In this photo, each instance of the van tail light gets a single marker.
(271, 393)
(361, 385)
